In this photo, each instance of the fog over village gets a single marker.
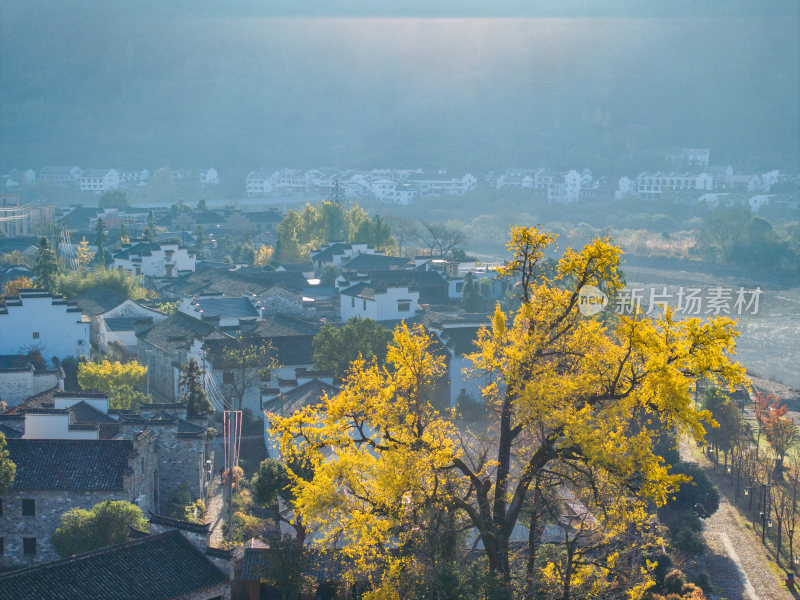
(399, 299)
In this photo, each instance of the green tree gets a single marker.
(150, 234)
(7, 468)
(74, 283)
(329, 275)
(471, 296)
(202, 205)
(47, 267)
(199, 243)
(105, 524)
(101, 257)
(335, 348)
(194, 394)
(114, 199)
(248, 362)
(272, 485)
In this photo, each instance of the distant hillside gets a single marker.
(135, 85)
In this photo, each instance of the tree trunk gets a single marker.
(530, 582)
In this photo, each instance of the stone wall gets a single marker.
(160, 372)
(17, 385)
(181, 462)
(50, 505)
(49, 508)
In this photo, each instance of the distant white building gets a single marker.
(650, 186)
(209, 177)
(99, 180)
(440, 184)
(378, 303)
(120, 324)
(155, 259)
(60, 175)
(626, 187)
(260, 183)
(38, 320)
(565, 189)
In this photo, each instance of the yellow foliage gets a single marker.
(263, 255)
(574, 399)
(85, 254)
(104, 376)
(12, 288)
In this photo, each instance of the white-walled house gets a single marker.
(99, 180)
(650, 186)
(378, 303)
(120, 324)
(20, 379)
(37, 319)
(226, 311)
(155, 259)
(565, 189)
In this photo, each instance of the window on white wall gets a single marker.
(36, 335)
(403, 306)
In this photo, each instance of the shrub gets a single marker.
(689, 541)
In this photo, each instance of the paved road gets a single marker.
(736, 560)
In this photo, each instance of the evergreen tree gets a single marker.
(149, 232)
(101, 256)
(470, 297)
(199, 240)
(194, 395)
(46, 269)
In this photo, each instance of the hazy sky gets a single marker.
(472, 84)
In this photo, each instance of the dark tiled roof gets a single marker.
(82, 412)
(363, 290)
(299, 267)
(156, 567)
(226, 307)
(281, 326)
(179, 326)
(98, 300)
(201, 528)
(138, 249)
(291, 280)
(417, 279)
(70, 465)
(307, 394)
(289, 350)
(10, 432)
(15, 362)
(124, 323)
(375, 262)
(327, 254)
(189, 428)
(461, 339)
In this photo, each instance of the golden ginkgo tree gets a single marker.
(577, 403)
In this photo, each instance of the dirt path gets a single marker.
(736, 560)
(215, 513)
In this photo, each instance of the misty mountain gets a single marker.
(406, 85)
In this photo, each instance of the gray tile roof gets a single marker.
(303, 395)
(98, 300)
(226, 307)
(177, 327)
(70, 465)
(156, 567)
(375, 262)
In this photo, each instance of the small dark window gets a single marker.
(352, 302)
(36, 335)
(403, 306)
(227, 377)
(1, 508)
(2, 547)
(29, 508)
(29, 546)
(364, 304)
